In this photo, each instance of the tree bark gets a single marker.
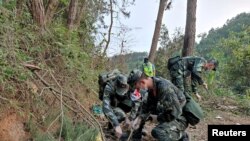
(80, 13)
(189, 38)
(50, 11)
(162, 6)
(110, 27)
(19, 8)
(72, 13)
(37, 10)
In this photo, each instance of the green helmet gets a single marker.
(134, 76)
(121, 85)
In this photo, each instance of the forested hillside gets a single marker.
(230, 45)
(211, 39)
(128, 61)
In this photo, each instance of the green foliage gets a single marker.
(234, 53)
(68, 53)
(169, 47)
(44, 137)
(210, 41)
(77, 131)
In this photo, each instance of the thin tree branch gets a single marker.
(50, 11)
(110, 28)
(61, 104)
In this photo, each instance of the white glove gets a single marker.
(205, 85)
(136, 123)
(128, 123)
(118, 131)
(198, 96)
(154, 118)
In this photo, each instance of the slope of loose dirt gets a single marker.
(12, 128)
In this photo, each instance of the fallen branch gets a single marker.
(3, 98)
(57, 91)
(99, 125)
(31, 67)
(65, 104)
(62, 113)
(62, 89)
(53, 122)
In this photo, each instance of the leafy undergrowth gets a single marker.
(47, 80)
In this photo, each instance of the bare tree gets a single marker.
(50, 11)
(80, 12)
(162, 6)
(189, 38)
(38, 14)
(72, 13)
(110, 27)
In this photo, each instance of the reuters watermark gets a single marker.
(233, 132)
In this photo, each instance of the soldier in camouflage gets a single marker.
(164, 106)
(116, 102)
(136, 96)
(191, 66)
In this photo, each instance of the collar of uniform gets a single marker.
(155, 80)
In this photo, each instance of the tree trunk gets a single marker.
(189, 38)
(110, 28)
(50, 11)
(72, 13)
(80, 13)
(19, 8)
(162, 6)
(37, 10)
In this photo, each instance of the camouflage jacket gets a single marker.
(193, 66)
(110, 101)
(167, 103)
(137, 105)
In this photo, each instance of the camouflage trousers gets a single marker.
(170, 131)
(120, 115)
(178, 79)
(167, 131)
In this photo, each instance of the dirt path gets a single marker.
(215, 117)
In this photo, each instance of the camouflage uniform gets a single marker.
(137, 105)
(115, 106)
(187, 66)
(167, 104)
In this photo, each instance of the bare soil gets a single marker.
(12, 128)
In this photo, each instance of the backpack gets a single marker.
(192, 111)
(104, 78)
(173, 60)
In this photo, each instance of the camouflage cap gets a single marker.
(216, 64)
(121, 85)
(134, 76)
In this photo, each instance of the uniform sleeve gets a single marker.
(196, 73)
(195, 81)
(135, 109)
(107, 109)
(169, 104)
